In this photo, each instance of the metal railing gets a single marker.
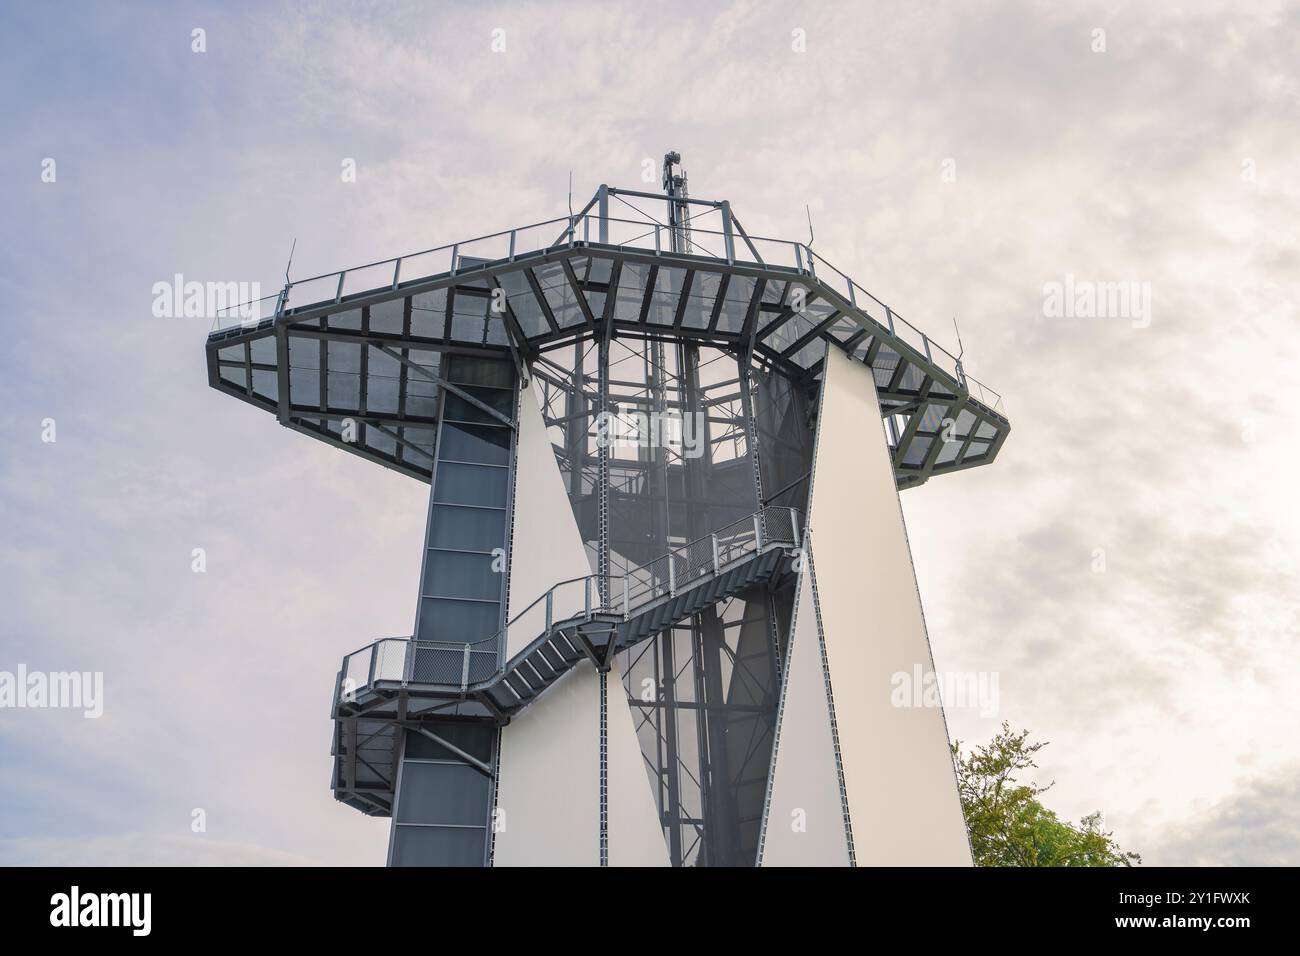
(590, 228)
(407, 660)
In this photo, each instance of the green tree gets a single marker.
(1007, 823)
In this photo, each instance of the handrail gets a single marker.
(594, 579)
(806, 262)
(759, 523)
(548, 593)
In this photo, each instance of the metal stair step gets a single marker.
(547, 663)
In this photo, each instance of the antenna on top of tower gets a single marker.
(811, 235)
(290, 262)
(679, 216)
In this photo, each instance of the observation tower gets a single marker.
(665, 580)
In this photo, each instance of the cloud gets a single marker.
(141, 849)
(1165, 683)
(1258, 825)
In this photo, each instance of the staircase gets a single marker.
(393, 680)
(598, 636)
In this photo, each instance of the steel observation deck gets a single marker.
(363, 344)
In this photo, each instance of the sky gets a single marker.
(1127, 567)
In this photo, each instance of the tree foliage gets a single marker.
(1007, 823)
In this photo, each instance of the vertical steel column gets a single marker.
(602, 551)
(603, 206)
(670, 757)
(703, 741)
(602, 479)
(722, 817)
(604, 766)
(728, 234)
(751, 426)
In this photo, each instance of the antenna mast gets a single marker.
(679, 216)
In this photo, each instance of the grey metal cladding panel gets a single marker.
(438, 846)
(266, 384)
(379, 440)
(262, 349)
(383, 382)
(235, 375)
(931, 417)
(735, 303)
(700, 298)
(775, 292)
(445, 793)
(812, 353)
(947, 454)
(632, 280)
(669, 284)
(429, 314)
(388, 317)
(843, 329)
(560, 296)
(347, 320)
(523, 303)
(470, 314)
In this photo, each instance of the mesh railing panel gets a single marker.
(390, 659)
(779, 525)
(437, 663)
(356, 671)
(648, 582)
(735, 541)
(693, 561)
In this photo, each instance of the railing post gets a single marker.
(573, 227)
(512, 245)
(626, 593)
(586, 596)
(464, 669)
(338, 293)
(370, 676)
(794, 527)
(603, 207)
(408, 661)
(758, 532)
(657, 249)
(716, 563)
(550, 595)
(798, 256)
(455, 257)
(397, 272)
(729, 240)
(672, 577)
